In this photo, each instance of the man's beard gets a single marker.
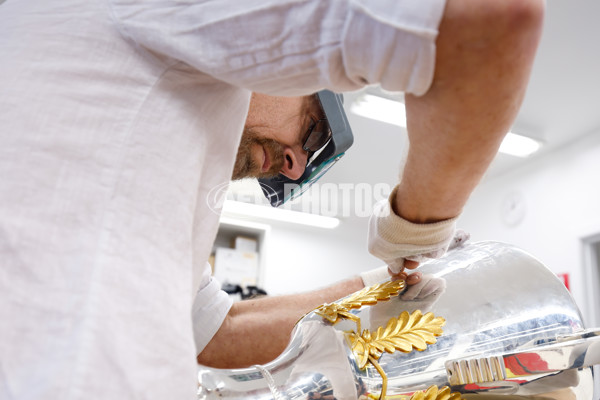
(246, 166)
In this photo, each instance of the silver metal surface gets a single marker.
(512, 331)
(567, 352)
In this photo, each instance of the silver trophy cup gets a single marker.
(488, 321)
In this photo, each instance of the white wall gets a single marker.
(561, 193)
(300, 259)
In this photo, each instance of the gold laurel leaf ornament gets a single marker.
(373, 294)
(434, 393)
(370, 295)
(405, 333)
(408, 331)
(431, 393)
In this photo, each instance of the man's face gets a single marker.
(273, 136)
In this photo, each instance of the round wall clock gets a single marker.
(513, 209)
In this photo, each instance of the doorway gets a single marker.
(591, 261)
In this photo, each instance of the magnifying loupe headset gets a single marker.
(326, 143)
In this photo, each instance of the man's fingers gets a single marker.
(400, 276)
(414, 278)
(397, 267)
(410, 279)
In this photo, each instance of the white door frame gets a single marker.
(591, 275)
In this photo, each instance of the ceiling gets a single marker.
(561, 104)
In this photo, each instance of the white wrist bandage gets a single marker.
(375, 276)
(394, 239)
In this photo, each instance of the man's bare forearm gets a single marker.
(257, 331)
(485, 50)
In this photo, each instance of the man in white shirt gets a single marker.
(118, 117)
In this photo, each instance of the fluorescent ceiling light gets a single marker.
(238, 209)
(518, 145)
(380, 109)
(394, 112)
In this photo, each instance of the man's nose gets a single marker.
(294, 162)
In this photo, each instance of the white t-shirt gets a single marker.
(119, 121)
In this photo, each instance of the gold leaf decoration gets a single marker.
(367, 296)
(373, 294)
(405, 333)
(331, 312)
(433, 393)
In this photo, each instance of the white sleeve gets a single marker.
(209, 309)
(292, 47)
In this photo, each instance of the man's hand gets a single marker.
(380, 274)
(460, 237)
(427, 288)
(403, 244)
(421, 296)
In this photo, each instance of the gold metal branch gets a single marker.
(370, 295)
(405, 333)
(433, 393)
